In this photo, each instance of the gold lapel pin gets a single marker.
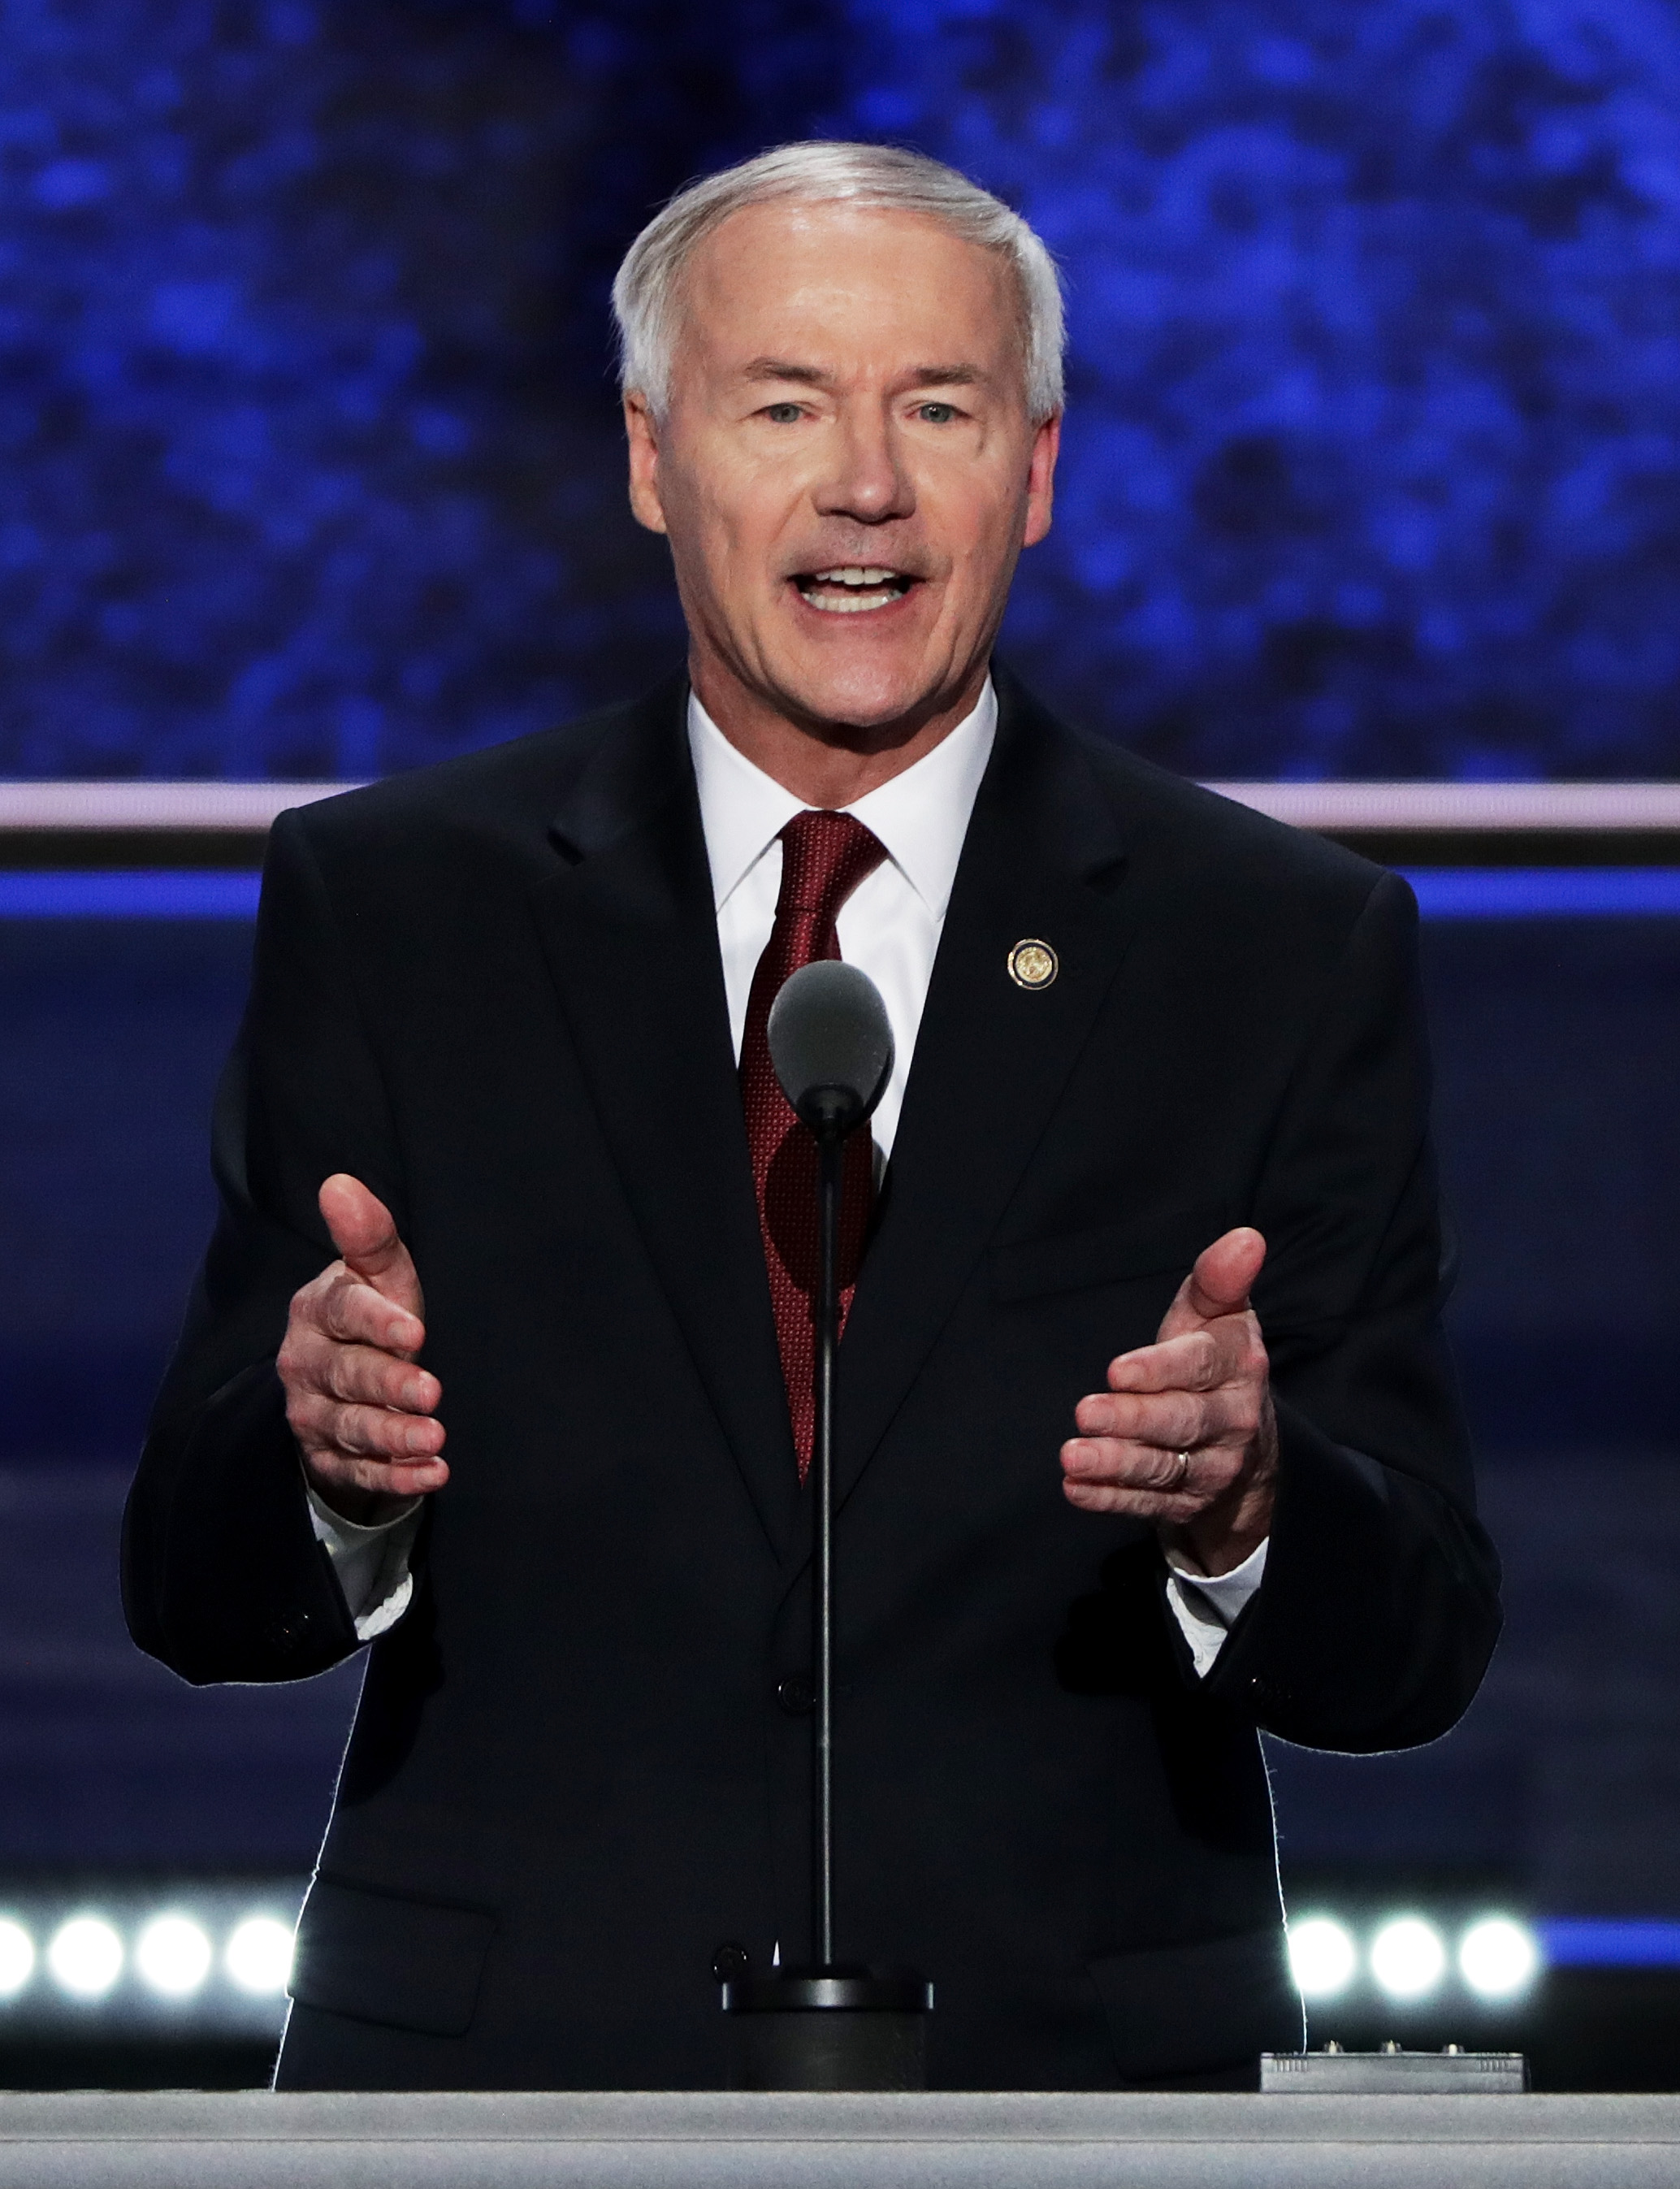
(1032, 964)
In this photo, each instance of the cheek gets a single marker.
(707, 547)
(976, 520)
(982, 561)
(740, 524)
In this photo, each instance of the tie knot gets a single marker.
(825, 857)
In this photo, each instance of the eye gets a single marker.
(936, 413)
(784, 414)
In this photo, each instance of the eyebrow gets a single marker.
(947, 375)
(811, 375)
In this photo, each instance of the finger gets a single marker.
(1197, 1361)
(1132, 1504)
(364, 1232)
(324, 1425)
(1220, 1283)
(350, 1312)
(336, 1472)
(1171, 1421)
(1123, 1463)
(364, 1376)
(1109, 1475)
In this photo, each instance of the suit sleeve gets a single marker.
(1380, 1606)
(223, 1577)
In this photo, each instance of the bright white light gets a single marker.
(259, 1955)
(173, 1956)
(86, 1956)
(17, 1958)
(1407, 1957)
(1320, 1957)
(1498, 1957)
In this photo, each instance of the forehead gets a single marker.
(859, 282)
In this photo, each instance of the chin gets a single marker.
(863, 696)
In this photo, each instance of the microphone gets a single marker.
(834, 2025)
(831, 1045)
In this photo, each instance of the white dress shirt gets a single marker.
(889, 927)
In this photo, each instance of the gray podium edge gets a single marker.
(671, 2140)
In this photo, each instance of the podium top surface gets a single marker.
(664, 2140)
(1018, 2118)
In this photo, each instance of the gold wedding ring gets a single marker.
(1179, 1478)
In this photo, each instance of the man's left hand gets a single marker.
(1184, 1435)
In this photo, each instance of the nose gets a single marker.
(869, 481)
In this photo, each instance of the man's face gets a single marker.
(847, 469)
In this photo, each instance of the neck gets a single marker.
(824, 763)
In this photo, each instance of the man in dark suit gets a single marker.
(1157, 1173)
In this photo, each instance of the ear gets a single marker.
(1041, 480)
(642, 436)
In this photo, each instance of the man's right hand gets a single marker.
(359, 1407)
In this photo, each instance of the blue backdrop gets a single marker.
(308, 459)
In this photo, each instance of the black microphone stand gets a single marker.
(831, 1171)
(834, 2026)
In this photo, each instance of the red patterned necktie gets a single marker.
(825, 857)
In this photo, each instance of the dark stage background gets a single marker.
(1559, 1051)
(309, 467)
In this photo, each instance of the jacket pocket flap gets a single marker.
(1181, 2010)
(410, 1964)
(1110, 1254)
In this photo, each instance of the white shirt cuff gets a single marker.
(1207, 1605)
(371, 1564)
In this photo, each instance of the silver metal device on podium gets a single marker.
(1394, 2071)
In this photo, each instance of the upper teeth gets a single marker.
(854, 575)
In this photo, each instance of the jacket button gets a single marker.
(795, 1695)
(729, 1964)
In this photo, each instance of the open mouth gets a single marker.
(853, 588)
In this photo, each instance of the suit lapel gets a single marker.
(631, 943)
(1044, 858)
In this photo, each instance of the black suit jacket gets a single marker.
(492, 990)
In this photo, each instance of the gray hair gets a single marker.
(647, 294)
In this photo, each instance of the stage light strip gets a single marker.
(125, 893)
(1589, 1941)
(1546, 892)
(1444, 893)
(218, 1959)
(1496, 1956)
(211, 1958)
(1333, 806)
(1430, 808)
(241, 807)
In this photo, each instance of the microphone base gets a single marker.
(832, 2029)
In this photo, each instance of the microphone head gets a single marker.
(831, 1045)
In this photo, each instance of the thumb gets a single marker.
(1220, 1284)
(364, 1232)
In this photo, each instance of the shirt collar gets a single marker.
(921, 816)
